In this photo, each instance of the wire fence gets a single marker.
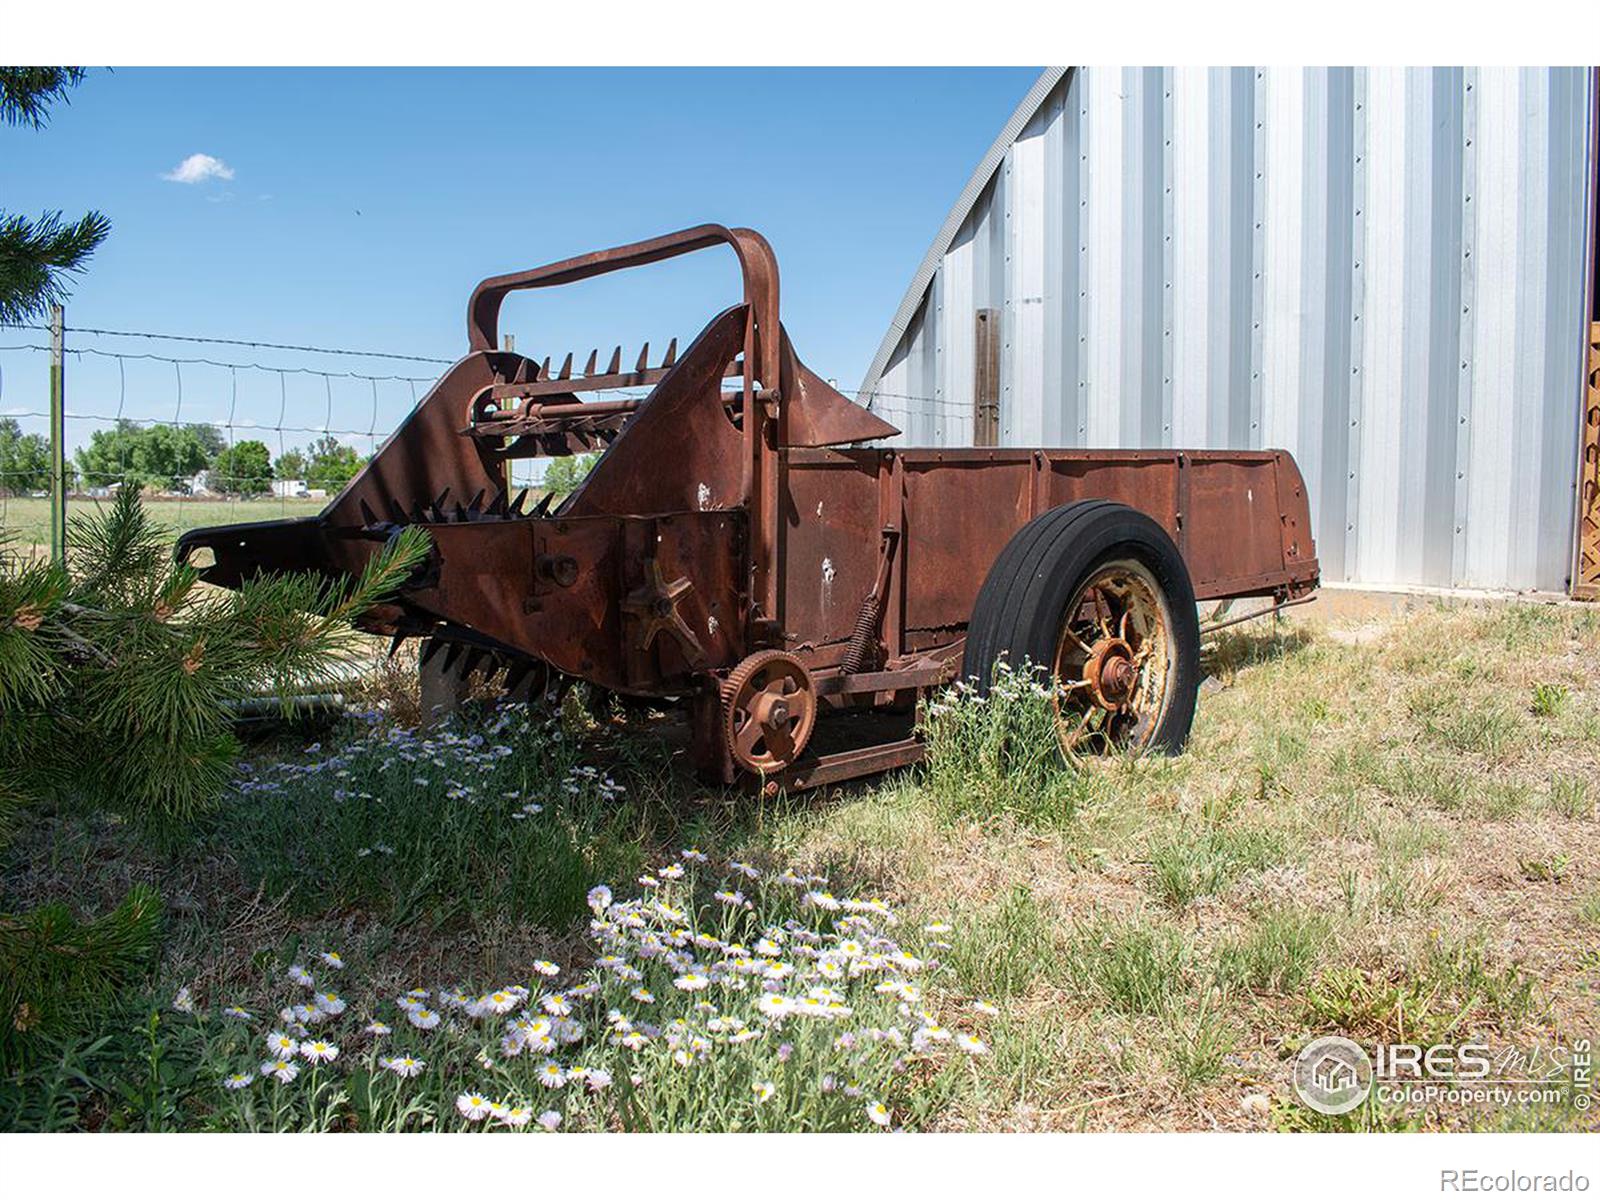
(220, 437)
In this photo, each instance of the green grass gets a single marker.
(1337, 852)
(28, 518)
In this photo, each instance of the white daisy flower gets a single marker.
(472, 1106)
(183, 1002)
(984, 1007)
(546, 968)
(598, 1079)
(643, 995)
(333, 959)
(764, 1091)
(772, 1004)
(514, 1116)
(281, 1069)
(238, 1080)
(691, 981)
(878, 1113)
(423, 1018)
(501, 1002)
(298, 974)
(556, 1005)
(600, 898)
(550, 1120)
(330, 1003)
(972, 1044)
(319, 1051)
(671, 871)
(237, 1013)
(377, 1029)
(281, 1044)
(552, 1076)
(403, 1065)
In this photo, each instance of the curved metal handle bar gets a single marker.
(757, 263)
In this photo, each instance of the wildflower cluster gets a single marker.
(387, 817)
(715, 999)
(999, 750)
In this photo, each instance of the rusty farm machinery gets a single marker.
(747, 548)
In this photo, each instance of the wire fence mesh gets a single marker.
(212, 436)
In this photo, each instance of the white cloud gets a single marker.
(198, 168)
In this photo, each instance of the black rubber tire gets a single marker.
(1020, 608)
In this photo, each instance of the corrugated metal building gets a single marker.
(1383, 270)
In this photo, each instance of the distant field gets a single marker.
(28, 520)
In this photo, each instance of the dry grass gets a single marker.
(1389, 836)
(1389, 833)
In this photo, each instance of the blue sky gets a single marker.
(365, 204)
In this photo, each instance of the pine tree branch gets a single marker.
(26, 93)
(36, 257)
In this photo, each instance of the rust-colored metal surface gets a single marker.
(737, 548)
(1586, 584)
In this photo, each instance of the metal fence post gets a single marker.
(58, 438)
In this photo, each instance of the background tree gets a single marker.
(24, 460)
(565, 474)
(291, 464)
(159, 456)
(244, 469)
(330, 463)
(37, 255)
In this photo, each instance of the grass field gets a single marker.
(1386, 830)
(28, 519)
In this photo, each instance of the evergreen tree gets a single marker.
(117, 681)
(36, 255)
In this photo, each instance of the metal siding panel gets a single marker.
(1281, 316)
(1442, 90)
(1565, 352)
(1383, 328)
(1491, 411)
(1533, 217)
(1105, 258)
(1052, 390)
(1144, 195)
(1072, 198)
(1380, 270)
(1191, 183)
(1022, 411)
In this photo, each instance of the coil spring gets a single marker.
(863, 635)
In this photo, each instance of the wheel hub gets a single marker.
(1111, 673)
(1112, 665)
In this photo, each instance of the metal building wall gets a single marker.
(1379, 269)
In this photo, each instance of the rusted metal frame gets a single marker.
(1206, 630)
(757, 265)
(844, 765)
(1586, 580)
(565, 385)
(924, 674)
(892, 516)
(1180, 521)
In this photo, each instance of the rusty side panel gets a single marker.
(493, 577)
(1239, 518)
